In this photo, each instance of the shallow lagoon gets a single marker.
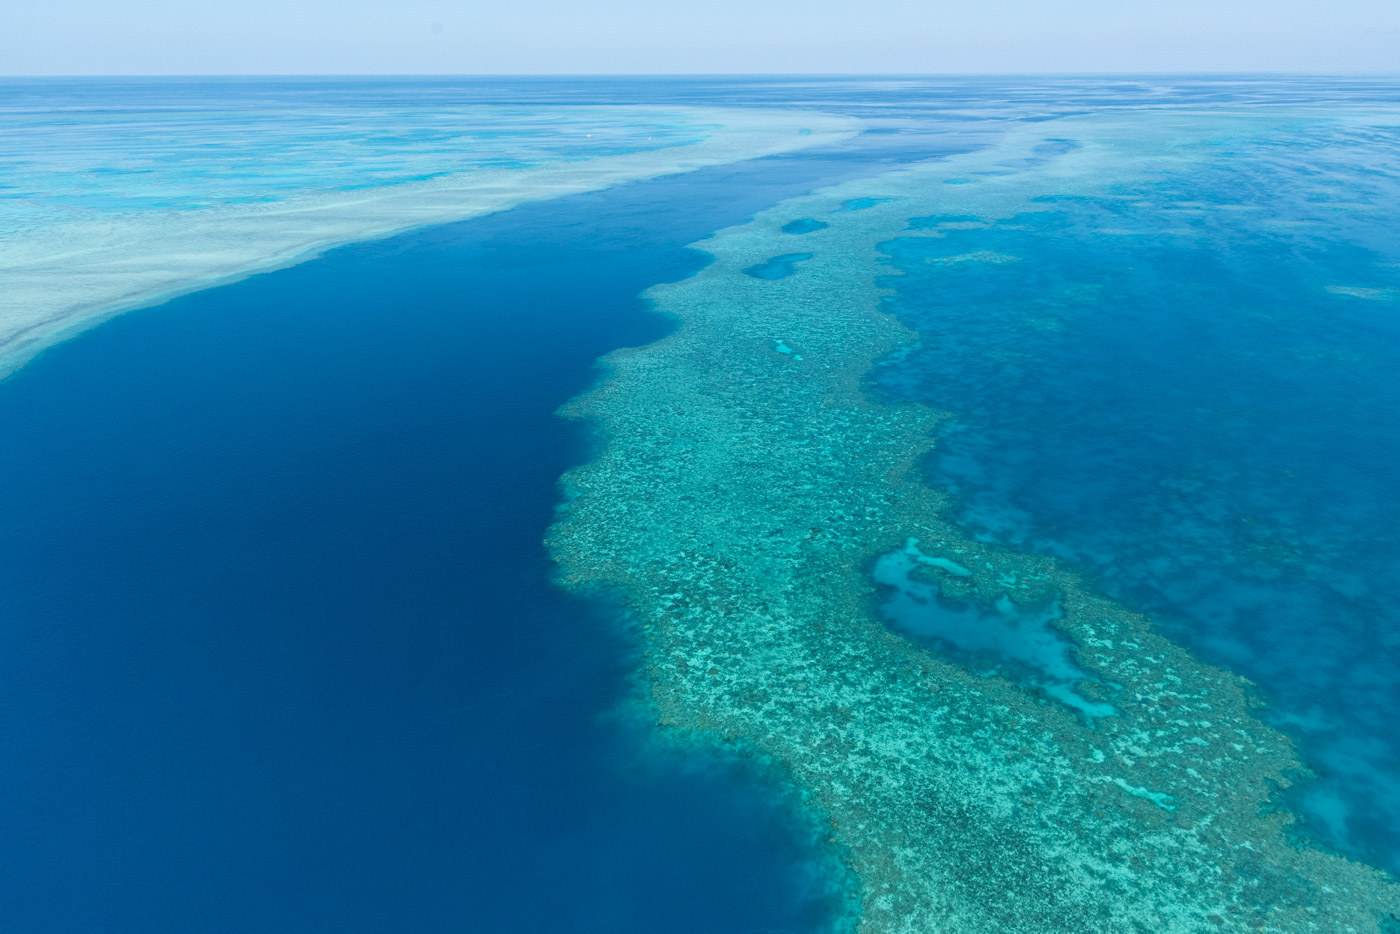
(1001, 635)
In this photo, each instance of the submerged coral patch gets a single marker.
(1367, 293)
(977, 256)
(782, 347)
(860, 204)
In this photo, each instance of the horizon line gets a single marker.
(723, 74)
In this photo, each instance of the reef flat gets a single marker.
(61, 273)
(746, 492)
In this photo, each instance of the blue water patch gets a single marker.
(804, 225)
(778, 267)
(999, 636)
(860, 204)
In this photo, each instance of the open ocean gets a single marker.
(282, 646)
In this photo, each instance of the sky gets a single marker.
(689, 37)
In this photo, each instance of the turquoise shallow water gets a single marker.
(1022, 640)
(73, 154)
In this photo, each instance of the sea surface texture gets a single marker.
(993, 533)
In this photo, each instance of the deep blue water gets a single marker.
(778, 267)
(804, 225)
(281, 648)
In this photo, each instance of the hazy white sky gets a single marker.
(656, 36)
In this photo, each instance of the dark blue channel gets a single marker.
(777, 267)
(281, 649)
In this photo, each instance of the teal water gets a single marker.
(77, 152)
(993, 636)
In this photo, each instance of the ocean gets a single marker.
(285, 645)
